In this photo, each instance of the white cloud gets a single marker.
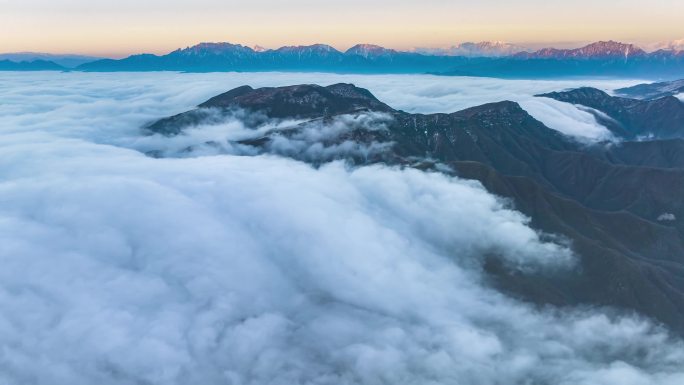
(119, 268)
(567, 118)
(164, 95)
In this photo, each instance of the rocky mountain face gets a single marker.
(214, 49)
(598, 50)
(618, 205)
(306, 101)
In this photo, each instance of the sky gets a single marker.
(119, 28)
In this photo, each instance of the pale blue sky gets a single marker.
(125, 26)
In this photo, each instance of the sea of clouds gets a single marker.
(120, 268)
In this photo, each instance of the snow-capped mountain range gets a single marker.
(497, 59)
(598, 50)
(481, 49)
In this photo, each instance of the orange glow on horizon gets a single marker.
(156, 26)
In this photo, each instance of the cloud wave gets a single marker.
(119, 268)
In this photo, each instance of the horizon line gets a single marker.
(530, 46)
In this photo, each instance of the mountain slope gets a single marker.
(630, 118)
(601, 198)
(653, 90)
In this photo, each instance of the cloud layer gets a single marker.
(167, 93)
(124, 269)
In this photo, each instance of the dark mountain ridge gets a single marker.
(653, 90)
(619, 204)
(630, 118)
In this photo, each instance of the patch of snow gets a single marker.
(667, 217)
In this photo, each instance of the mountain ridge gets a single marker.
(603, 198)
(597, 59)
(64, 60)
(653, 90)
(606, 58)
(597, 50)
(34, 65)
(662, 118)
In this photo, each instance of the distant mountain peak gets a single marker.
(210, 48)
(597, 50)
(216, 45)
(369, 50)
(610, 48)
(311, 48)
(472, 49)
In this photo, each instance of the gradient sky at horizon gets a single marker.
(118, 28)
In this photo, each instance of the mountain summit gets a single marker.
(599, 50)
(469, 49)
(370, 50)
(204, 49)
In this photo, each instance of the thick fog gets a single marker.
(119, 268)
